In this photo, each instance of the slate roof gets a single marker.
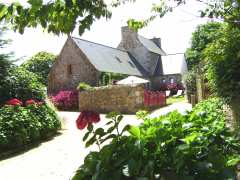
(151, 46)
(108, 59)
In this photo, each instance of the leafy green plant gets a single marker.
(223, 63)
(196, 146)
(20, 126)
(21, 84)
(84, 87)
(99, 136)
(40, 64)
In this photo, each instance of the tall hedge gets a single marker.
(223, 67)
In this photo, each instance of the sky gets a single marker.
(174, 29)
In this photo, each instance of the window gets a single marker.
(164, 80)
(131, 64)
(118, 59)
(69, 70)
(171, 80)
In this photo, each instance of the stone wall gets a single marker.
(81, 69)
(124, 99)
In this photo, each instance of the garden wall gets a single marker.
(124, 99)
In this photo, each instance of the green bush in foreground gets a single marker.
(194, 146)
(20, 126)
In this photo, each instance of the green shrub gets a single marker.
(21, 84)
(84, 87)
(223, 64)
(196, 146)
(20, 126)
(190, 80)
(40, 64)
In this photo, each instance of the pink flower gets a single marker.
(30, 101)
(87, 117)
(14, 102)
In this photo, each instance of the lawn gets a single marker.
(171, 100)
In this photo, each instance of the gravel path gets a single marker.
(59, 158)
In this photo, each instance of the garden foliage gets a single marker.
(223, 64)
(23, 125)
(40, 64)
(194, 146)
(22, 84)
(66, 100)
(84, 87)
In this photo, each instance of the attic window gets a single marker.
(131, 64)
(117, 58)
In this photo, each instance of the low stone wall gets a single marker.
(124, 99)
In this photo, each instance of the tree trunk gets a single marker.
(235, 106)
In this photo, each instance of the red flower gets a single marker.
(30, 101)
(14, 102)
(39, 103)
(87, 117)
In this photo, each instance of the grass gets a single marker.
(171, 100)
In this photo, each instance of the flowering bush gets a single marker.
(20, 126)
(197, 145)
(66, 100)
(86, 118)
(173, 87)
(30, 101)
(14, 102)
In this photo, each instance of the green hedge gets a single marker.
(20, 126)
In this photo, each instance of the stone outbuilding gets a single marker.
(83, 61)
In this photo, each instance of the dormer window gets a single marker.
(69, 70)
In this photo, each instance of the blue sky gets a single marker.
(174, 29)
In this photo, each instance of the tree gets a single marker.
(4, 57)
(204, 35)
(223, 64)
(63, 16)
(58, 16)
(40, 64)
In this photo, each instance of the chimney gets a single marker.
(126, 32)
(157, 41)
(129, 39)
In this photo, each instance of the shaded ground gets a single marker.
(59, 158)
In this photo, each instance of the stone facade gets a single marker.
(80, 62)
(131, 43)
(71, 68)
(124, 99)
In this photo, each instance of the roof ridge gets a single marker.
(98, 44)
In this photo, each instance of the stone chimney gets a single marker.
(129, 39)
(157, 41)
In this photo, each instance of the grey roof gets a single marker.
(107, 59)
(151, 46)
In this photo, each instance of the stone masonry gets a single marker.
(124, 99)
(71, 68)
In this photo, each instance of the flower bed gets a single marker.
(22, 125)
(66, 100)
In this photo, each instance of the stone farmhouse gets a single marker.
(83, 61)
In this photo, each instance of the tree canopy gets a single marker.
(40, 65)
(58, 16)
(63, 16)
(201, 37)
